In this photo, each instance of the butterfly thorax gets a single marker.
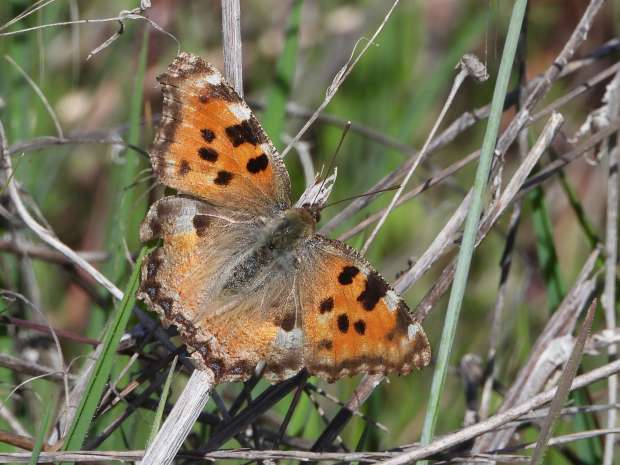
(275, 247)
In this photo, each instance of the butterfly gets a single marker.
(240, 271)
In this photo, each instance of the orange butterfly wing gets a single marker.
(353, 321)
(210, 145)
(182, 280)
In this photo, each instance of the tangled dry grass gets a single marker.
(526, 350)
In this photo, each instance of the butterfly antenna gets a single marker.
(345, 131)
(387, 189)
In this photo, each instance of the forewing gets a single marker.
(353, 321)
(210, 145)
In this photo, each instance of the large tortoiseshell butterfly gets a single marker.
(241, 272)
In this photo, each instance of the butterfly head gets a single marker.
(301, 221)
(314, 210)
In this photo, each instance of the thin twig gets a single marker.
(361, 394)
(611, 257)
(30, 368)
(559, 163)
(12, 421)
(335, 400)
(39, 93)
(46, 329)
(97, 137)
(46, 254)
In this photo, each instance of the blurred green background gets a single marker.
(94, 195)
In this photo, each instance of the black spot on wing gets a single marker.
(347, 274)
(376, 288)
(255, 165)
(326, 344)
(201, 224)
(208, 154)
(246, 131)
(240, 133)
(327, 305)
(223, 178)
(360, 327)
(343, 323)
(207, 135)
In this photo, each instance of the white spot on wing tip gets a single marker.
(240, 110)
(412, 330)
(214, 79)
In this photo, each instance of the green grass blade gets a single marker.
(44, 428)
(162, 402)
(545, 248)
(275, 112)
(103, 366)
(471, 223)
(582, 217)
